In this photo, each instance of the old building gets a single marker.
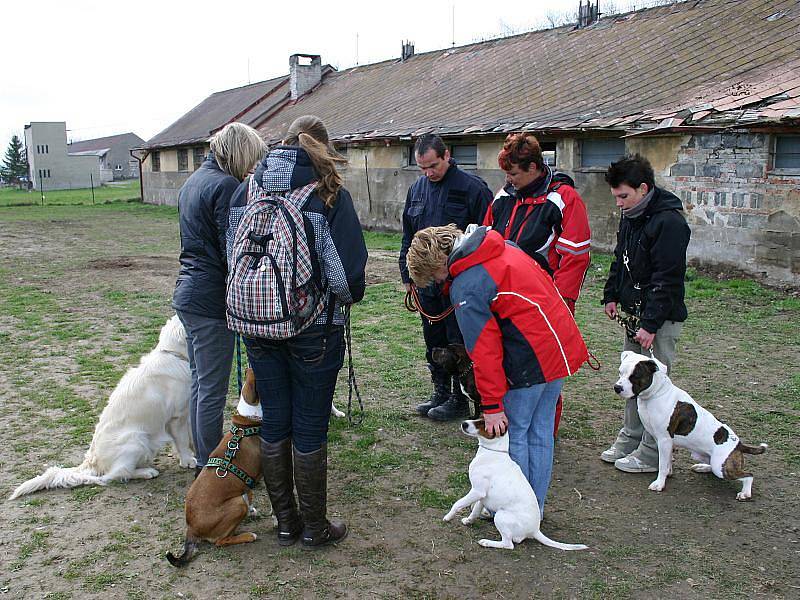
(709, 91)
(113, 152)
(51, 166)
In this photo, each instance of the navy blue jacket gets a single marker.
(203, 204)
(654, 247)
(460, 197)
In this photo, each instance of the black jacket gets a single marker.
(460, 197)
(655, 247)
(203, 203)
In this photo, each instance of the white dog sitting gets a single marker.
(499, 485)
(673, 418)
(148, 408)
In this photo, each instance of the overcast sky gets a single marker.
(112, 67)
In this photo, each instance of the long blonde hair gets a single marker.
(429, 252)
(310, 133)
(237, 148)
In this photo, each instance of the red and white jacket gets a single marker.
(548, 220)
(517, 329)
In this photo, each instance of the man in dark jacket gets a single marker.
(444, 194)
(646, 283)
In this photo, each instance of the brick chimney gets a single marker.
(407, 51)
(305, 72)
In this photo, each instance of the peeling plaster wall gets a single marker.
(741, 213)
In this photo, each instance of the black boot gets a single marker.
(276, 464)
(440, 394)
(456, 407)
(311, 479)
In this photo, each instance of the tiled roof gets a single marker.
(243, 104)
(697, 62)
(104, 143)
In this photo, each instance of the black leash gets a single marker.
(351, 376)
(237, 341)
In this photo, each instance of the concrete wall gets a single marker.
(162, 187)
(65, 172)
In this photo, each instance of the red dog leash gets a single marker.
(413, 304)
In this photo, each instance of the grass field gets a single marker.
(83, 293)
(128, 190)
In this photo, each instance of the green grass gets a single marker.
(378, 240)
(128, 190)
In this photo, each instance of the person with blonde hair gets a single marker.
(519, 333)
(296, 376)
(199, 297)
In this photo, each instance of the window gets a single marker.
(548, 153)
(48, 173)
(46, 148)
(787, 152)
(155, 162)
(197, 157)
(118, 167)
(412, 162)
(466, 155)
(183, 159)
(601, 153)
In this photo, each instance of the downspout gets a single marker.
(141, 180)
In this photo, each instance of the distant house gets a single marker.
(709, 91)
(113, 153)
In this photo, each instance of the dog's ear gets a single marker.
(642, 376)
(480, 424)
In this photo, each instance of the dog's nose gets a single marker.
(617, 388)
(464, 425)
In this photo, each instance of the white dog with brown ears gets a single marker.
(148, 408)
(673, 418)
(499, 485)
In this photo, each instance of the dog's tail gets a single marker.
(540, 537)
(58, 477)
(189, 548)
(753, 450)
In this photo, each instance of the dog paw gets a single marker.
(742, 497)
(448, 517)
(337, 413)
(188, 463)
(485, 543)
(656, 486)
(149, 473)
(467, 521)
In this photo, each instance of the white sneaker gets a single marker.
(612, 454)
(632, 464)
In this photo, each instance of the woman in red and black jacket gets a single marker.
(541, 212)
(517, 330)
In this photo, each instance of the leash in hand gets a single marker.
(351, 377)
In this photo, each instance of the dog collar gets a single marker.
(175, 354)
(225, 465)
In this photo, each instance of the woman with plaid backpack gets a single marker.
(298, 258)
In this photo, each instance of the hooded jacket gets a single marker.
(548, 220)
(517, 329)
(338, 238)
(203, 204)
(459, 197)
(654, 247)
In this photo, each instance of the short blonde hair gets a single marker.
(429, 251)
(237, 148)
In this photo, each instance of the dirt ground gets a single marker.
(691, 541)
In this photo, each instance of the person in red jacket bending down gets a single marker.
(518, 331)
(541, 212)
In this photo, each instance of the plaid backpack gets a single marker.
(274, 287)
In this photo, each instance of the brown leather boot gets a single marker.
(311, 479)
(276, 464)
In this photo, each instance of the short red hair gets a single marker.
(521, 149)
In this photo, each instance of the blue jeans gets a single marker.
(531, 414)
(296, 379)
(210, 346)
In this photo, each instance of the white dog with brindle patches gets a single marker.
(673, 418)
(148, 408)
(499, 485)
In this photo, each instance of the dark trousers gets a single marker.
(296, 379)
(438, 335)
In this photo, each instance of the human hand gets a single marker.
(495, 423)
(611, 310)
(408, 287)
(644, 338)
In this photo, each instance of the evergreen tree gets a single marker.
(15, 166)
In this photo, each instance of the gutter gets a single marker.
(140, 160)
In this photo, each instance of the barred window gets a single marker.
(183, 159)
(198, 156)
(466, 154)
(155, 162)
(787, 152)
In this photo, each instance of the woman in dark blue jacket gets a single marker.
(296, 377)
(199, 297)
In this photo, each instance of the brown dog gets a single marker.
(456, 362)
(222, 495)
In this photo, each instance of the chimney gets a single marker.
(305, 73)
(588, 14)
(407, 51)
